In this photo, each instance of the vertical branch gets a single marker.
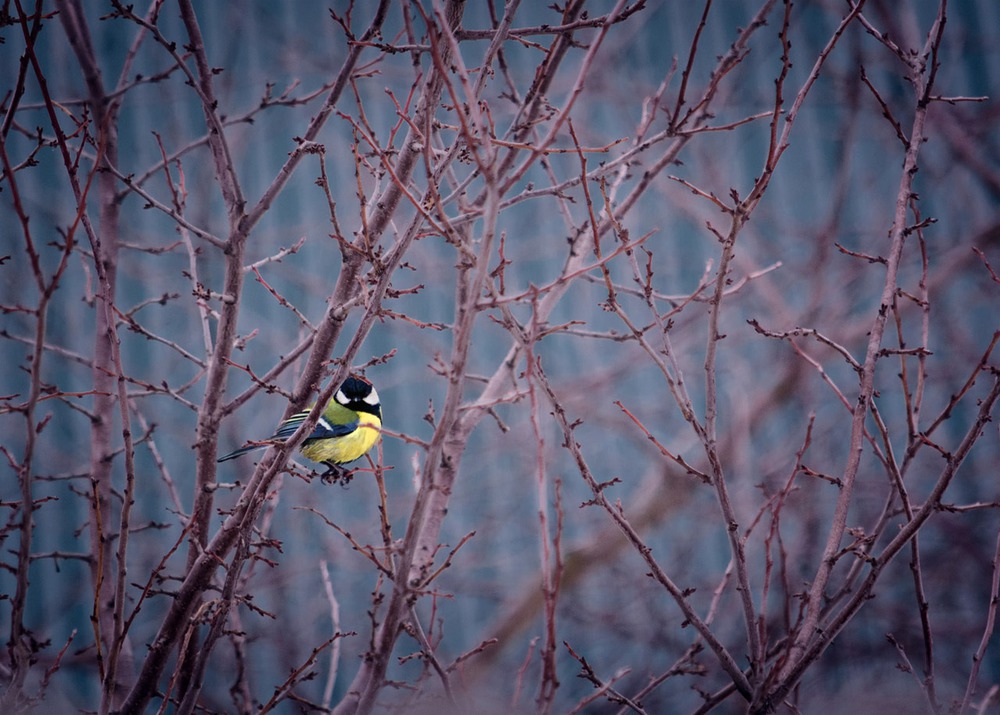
(107, 352)
(439, 471)
(210, 413)
(210, 410)
(897, 238)
(686, 73)
(20, 646)
(14, 99)
(331, 676)
(991, 614)
(913, 403)
(736, 541)
(551, 564)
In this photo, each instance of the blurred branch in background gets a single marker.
(674, 312)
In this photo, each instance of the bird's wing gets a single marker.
(324, 429)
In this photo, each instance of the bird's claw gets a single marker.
(335, 474)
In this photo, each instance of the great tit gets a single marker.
(349, 427)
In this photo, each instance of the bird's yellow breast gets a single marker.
(341, 450)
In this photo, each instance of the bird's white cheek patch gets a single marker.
(341, 397)
(372, 397)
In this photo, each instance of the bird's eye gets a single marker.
(372, 397)
(341, 397)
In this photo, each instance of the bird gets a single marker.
(349, 427)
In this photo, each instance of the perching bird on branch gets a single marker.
(349, 426)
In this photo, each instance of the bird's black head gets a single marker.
(357, 394)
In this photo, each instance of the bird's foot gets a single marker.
(335, 474)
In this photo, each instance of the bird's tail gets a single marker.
(240, 452)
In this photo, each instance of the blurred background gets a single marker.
(836, 186)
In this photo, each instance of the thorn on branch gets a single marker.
(601, 486)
